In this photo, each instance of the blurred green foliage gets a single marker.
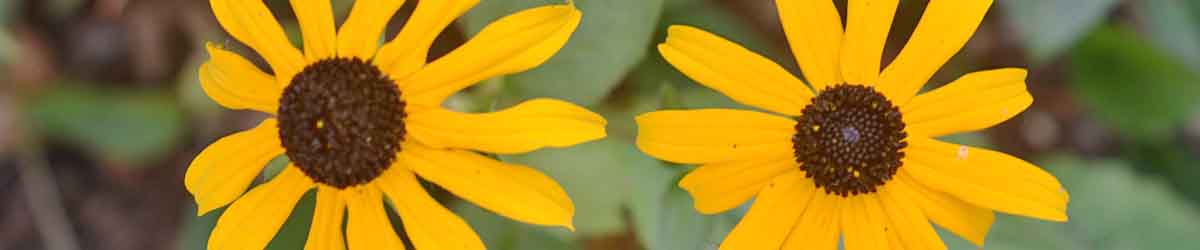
(500, 233)
(1132, 85)
(196, 228)
(131, 127)
(1047, 28)
(295, 230)
(1174, 26)
(6, 40)
(663, 213)
(1112, 207)
(6, 46)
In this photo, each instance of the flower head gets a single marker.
(361, 122)
(854, 157)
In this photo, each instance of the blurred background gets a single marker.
(101, 112)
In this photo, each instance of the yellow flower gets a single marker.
(360, 123)
(857, 159)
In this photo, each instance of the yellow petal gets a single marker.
(221, 172)
(865, 223)
(735, 71)
(235, 83)
(359, 35)
(893, 240)
(407, 52)
(818, 228)
(429, 225)
(514, 43)
(316, 28)
(773, 214)
(986, 178)
(369, 226)
(717, 187)
(905, 217)
(814, 31)
(514, 191)
(867, 26)
(944, 29)
(975, 101)
(253, 220)
(525, 127)
(965, 220)
(325, 233)
(713, 135)
(253, 24)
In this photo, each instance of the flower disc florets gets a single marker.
(341, 121)
(849, 140)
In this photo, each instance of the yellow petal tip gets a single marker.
(210, 47)
(661, 46)
(686, 184)
(575, 10)
(213, 48)
(201, 209)
(1057, 217)
(673, 29)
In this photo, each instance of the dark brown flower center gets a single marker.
(849, 140)
(341, 121)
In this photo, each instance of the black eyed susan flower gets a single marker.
(361, 122)
(856, 159)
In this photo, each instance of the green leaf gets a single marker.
(663, 214)
(6, 40)
(6, 46)
(274, 167)
(5, 8)
(196, 229)
(1132, 85)
(128, 127)
(593, 175)
(190, 94)
(1175, 28)
(1126, 211)
(612, 38)
(1018, 233)
(294, 231)
(1111, 207)
(697, 97)
(501, 233)
(974, 139)
(953, 242)
(291, 235)
(651, 184)
(1049, 27)
(1170, 159)
(62, 9)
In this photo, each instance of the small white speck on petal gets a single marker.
(962, 153)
